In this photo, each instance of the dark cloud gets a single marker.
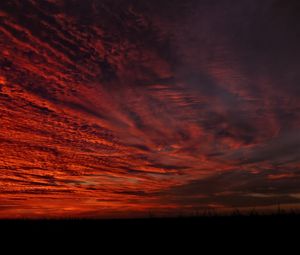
(280, 150)
(237, 188)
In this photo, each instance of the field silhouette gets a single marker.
(207, 223)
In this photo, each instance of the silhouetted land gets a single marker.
(201, 225)
(193, 235)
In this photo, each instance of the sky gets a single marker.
(127, 108)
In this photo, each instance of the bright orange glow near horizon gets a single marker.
(133, 108)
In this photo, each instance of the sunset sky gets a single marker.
(126, 108)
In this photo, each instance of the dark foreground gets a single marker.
(195, 235)
(208, 225)
(216, 233)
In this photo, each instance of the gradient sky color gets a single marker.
(125, 108)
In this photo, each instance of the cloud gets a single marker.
(138, 106)
(235, 189)
(280, 150)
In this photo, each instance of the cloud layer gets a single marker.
(121, 108)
